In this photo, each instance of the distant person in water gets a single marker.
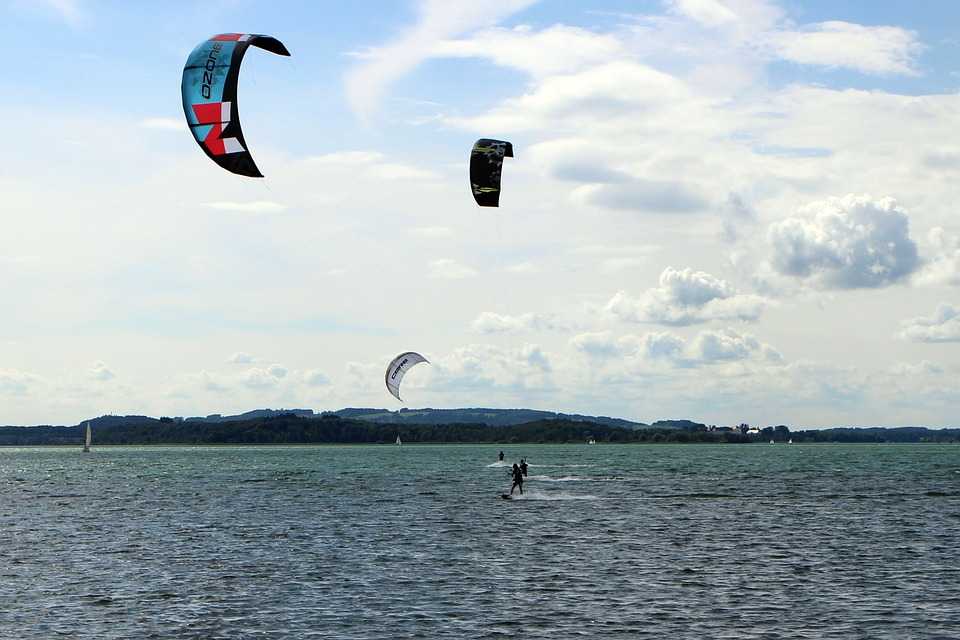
(517, 479)
(523, 466)
(501, 456)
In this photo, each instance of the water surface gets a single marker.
(609, 541)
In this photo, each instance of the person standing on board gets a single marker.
(517, 479)
(523, 467)
(501, 456)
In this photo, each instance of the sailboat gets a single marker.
(398, 440)
(86, 441)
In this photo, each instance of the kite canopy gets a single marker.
(398, 368)
(486, 162)
(209, 89)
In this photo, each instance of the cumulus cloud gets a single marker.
(942, 326)
(100, 372)
(598, 344)
(263, 378)
(482, 366)
(490, 322)
(726, 345)
(240, 357)
(845, 243)
(438, 20)
(315, 378)
(944, 267)
(448, 269)
(277, 371)
(687, 297)
(875, 50)
(705, 348)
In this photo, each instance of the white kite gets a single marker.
(398, 368)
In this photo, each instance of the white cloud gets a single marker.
(165, 124)
(944, 267)
(277, 371)
(100, 372)
(663, 345)
(638, 194)
(599, 344)
(877, 50)
(489, 322)
(582, 98)
(257, 206)
(448, 269)
(17, 383)
(687, 297)
(240, 357)
(348, 158)
(942, 326)
(258, 378)
(845, 243)
(481, 366)
(374, 164)
(726, 345)
(315, 378)
(556, 49)
(705, 348)
(438, 20)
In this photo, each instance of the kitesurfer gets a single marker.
(517, 479)
(523, 466)
(501, 456)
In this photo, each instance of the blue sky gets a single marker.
(729, 210)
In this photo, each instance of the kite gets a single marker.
(486, 163)
(398, 368)
(209, 90)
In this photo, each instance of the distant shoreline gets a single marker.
(503, 445)
(293, 430)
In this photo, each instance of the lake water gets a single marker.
(609, 541)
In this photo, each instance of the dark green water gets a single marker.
(630, 541)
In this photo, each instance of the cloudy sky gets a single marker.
(727, 210)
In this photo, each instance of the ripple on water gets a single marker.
(375, 542)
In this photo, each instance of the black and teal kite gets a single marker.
(209, 89)
(486, 163)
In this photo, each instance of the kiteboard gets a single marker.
(506, 496)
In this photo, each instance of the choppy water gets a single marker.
(629, 541)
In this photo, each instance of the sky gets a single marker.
(725, 210)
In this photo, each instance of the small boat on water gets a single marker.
(87, 439)
(591, 441)
(771, 442)
(398, 440)
(790, 441)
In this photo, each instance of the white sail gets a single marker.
(87, 439)
(398, 441)
(398, 368)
